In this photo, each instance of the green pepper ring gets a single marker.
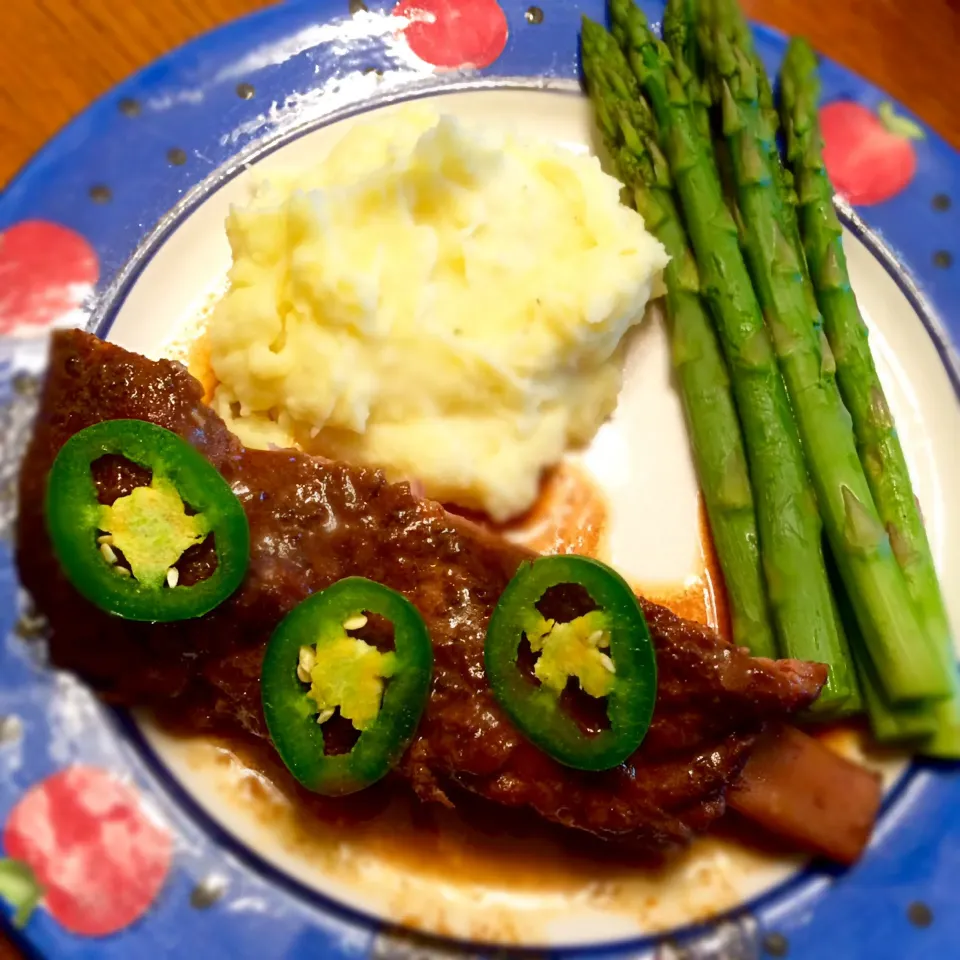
(73, 512)
(535, 710)
(291, 714)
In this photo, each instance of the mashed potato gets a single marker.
(433, 300)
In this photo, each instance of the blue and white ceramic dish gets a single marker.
(117, 225)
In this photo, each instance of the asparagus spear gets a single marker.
(785, 180)
(909, 721)
(787, 517)
(680, 36)
(907, 661)
(917, 721)
(877, 442)
(681, 25)
(629, 133)
(889, 723)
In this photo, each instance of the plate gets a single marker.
(117, 225)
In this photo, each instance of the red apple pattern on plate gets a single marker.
(869, 156)
(46, 272)
(82, 843)
(454, 33)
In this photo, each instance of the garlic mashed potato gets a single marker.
(438, 301)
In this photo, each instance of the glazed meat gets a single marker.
(312, 522)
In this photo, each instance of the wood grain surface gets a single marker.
(7, 950)
(57, 55)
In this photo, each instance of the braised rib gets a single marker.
(312, 522)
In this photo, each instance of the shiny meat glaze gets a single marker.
(313, 522)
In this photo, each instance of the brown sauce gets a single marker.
(477, 847)
(199, 364)
(493, 845)
(570, 515)
(191, 347)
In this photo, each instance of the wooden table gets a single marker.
(57, 55)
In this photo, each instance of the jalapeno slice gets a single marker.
(314, 666)
(608, 651)
(150, 527)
